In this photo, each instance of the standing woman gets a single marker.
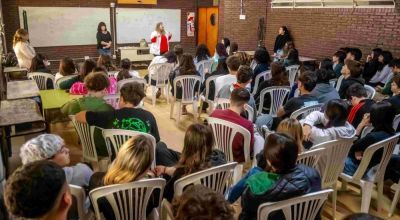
(104, 40)
(23, 50)
(160, 40)
(280, 41)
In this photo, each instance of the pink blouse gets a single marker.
(79, 88)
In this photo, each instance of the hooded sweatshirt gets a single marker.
(320, 135)
(325, 92)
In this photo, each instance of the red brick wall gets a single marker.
(320, 32)
(11, 20)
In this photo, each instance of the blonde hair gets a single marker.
(158, 28)
(18, 36)
(133, 160)
(293, 128)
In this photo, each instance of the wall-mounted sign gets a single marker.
(190, 24)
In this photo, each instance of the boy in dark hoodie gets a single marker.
(351, 72)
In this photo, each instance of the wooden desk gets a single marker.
(8, 70)
(136, 53)
(22, 89)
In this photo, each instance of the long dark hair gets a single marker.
(387, 58)
(261, 56)
(38, 63)
(101, 24)
(336, 112)
(106, 62)
(202, 52)
(381, 116)
(227, 42)
(221, 50)
(222, 68)
(293, 55)
(187, 67)
(278, 74)
(86, 68)
(67, 66)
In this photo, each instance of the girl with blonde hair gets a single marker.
(160, 40)
(23, 50)
(293, 128)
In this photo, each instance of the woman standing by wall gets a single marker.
(104, 40)
(23, 50)
(280, 41)
(160, 40)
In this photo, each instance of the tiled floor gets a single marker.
(172, 134)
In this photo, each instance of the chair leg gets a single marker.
(237, 173)
(380, 195)
(167, 93)
(334, 197)
(366, 189)
(195, 110)
(201, 108)
(153, 95)
(171, 114)
(344, 185)
(178, 118)
(395, 200)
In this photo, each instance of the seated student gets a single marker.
(227, 44)
(132, 163)
(281, 179)
(289, 45)
(381, 117)
(52, 147)
(197, 154)
(86, 68)
(288, 126)
(106, 62)
(384, 72)
(354, 54)
(220, 52)
(352, 74)
(79, 88)
(244, 58)
(126, 72)
(395, 66)
(278, 78)
(360, 104)
(323, 90)
(178, 50)
(233, 64)
(128, 116)
(202, 53)
(338, 62)
(38, 190)
(262, 59)
(372, 64)
(306, 82)
(395, 99)
(292, 58)
(239, 97)
(67, 68)
(39, 65)
(194, 203)
(319, 127)
(234, 48)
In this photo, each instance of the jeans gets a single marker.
(105, 51)
(264, 119)
(350, 167)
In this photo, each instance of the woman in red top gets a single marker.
(160, 40)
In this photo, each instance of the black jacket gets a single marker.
(370, 69)
(299, 181)
(280, 41)
(346, 83)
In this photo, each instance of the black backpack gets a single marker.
(10, 60)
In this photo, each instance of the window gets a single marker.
(333, 3)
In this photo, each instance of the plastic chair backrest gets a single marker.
(277, 94)
(266, 75)
(387, 146)
(298, 208)
(63, 79)
(396, 122)
(253, 64)
(133, 79)
(112, 100)
(207, 89)
(112, 73)
(115, 138)
(311, 157)
(85, 133)
(41, 79)
(222, 103)
(128, 201)
(339, 82)
(331, 164)
(160, 73)
(166, 210)
(224, 133)
(303, 112)
(80, 197)
(202, 66)
(367, 129)
(216, 178)
(293, 69)
(188, 85)
(370, 91)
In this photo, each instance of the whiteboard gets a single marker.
(63, 26)
(134, 24)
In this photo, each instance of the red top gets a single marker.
(231, 116)
(163, 44)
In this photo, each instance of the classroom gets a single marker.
(200, 109)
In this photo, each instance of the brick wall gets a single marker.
(11, 20)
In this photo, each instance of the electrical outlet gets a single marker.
(242, 17)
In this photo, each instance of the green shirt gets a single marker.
(87, 103)
(261, 182)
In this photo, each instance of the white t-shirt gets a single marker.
(24, 53)
(224, 80)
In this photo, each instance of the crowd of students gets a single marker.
(277, 176)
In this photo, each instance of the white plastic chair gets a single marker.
(331, 164)
(115, 138)
(112, 100)
(367, 184)
(133, 79)
(396, 122)
(128, 201)
(189, 94)
(41, 79)
(367, 129)
(277, 94)
(166, 211)
(298, 208)
(63, 79)
(339, 82)
(266, 75)
(311, 157)
(203, 66)
(253, 64)
(293, 69)
(205, 97)
(396, 188)
(112, 73)
(216, 178)
(86, 137)
(160, 73)
(370, 91)
(303, 112)
(80, 197)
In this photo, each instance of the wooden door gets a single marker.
(208, 27)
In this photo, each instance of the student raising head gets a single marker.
(202, 53)
(338, 62)
(351, 72)
(66, 68)
(86, 68)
